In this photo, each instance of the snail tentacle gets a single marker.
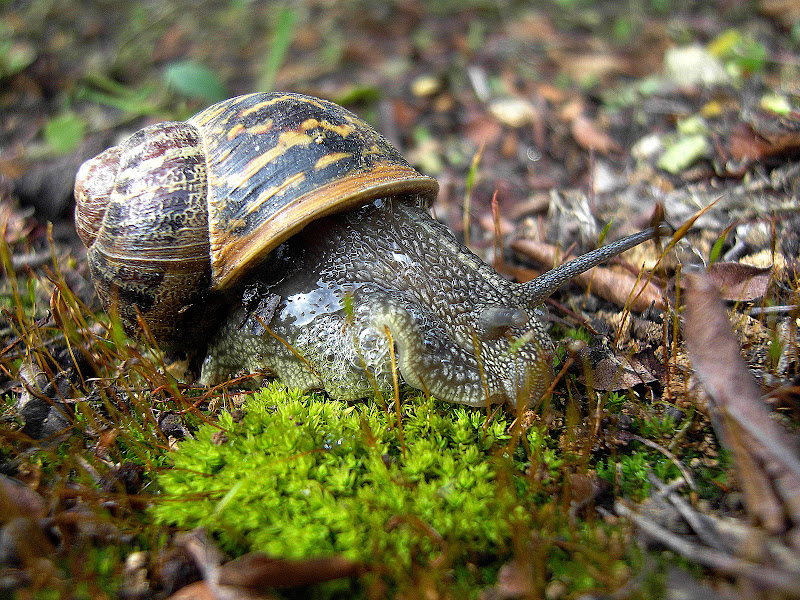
(535, 291)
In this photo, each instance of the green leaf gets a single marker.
(64, 132)
(740, 50)
(684, 153)
(194, 80)
(14, 57)
(601, 238)
(358, 93)
(716, 249)
(15, 54)
(99, 89)
(777, 103)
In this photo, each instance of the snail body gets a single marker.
(281, 233)
(386, 269)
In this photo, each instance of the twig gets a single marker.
(681, 467)
(700, 524)
(725, 563)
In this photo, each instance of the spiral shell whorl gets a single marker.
(93, 186)
(149, 255)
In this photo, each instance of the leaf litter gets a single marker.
(765, 454)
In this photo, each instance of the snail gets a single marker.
(280, 233)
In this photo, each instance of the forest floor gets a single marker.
(662, 463)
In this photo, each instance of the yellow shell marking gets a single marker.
(261, 128)
(267, 194)
(277, 100)
(235, 130)
(286, 140)
(343, 130)
(329, 159)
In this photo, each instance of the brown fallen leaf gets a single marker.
(205, 555)
(618, 287)
(199, 590)
(252, 575)
(766, 455)
(606, 369)
(581, 65)
(481, 129)
(614, 373)
(739, 282)
(748, 144)
(203, 590)
(590, 137)
(259, 571)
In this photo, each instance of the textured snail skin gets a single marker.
(388, 266)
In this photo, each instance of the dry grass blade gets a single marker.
(765, 454)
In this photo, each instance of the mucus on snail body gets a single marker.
(279, 232)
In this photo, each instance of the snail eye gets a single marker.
(494, 321)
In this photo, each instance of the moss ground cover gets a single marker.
(299, 476)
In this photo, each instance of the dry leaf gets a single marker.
(765, 454)
(259, 571)
(737, 281)
(514, 112)
(250, 576)
(203, 590)
(745, 143)
(482, 129)
(614, 373)
(591, 64)
(199, 590)
(588, 136)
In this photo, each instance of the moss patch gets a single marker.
(301, 476)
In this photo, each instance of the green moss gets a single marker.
(302, 476)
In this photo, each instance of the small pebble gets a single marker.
(514, 112)
(425, 86)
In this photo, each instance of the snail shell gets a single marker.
(180, 211)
